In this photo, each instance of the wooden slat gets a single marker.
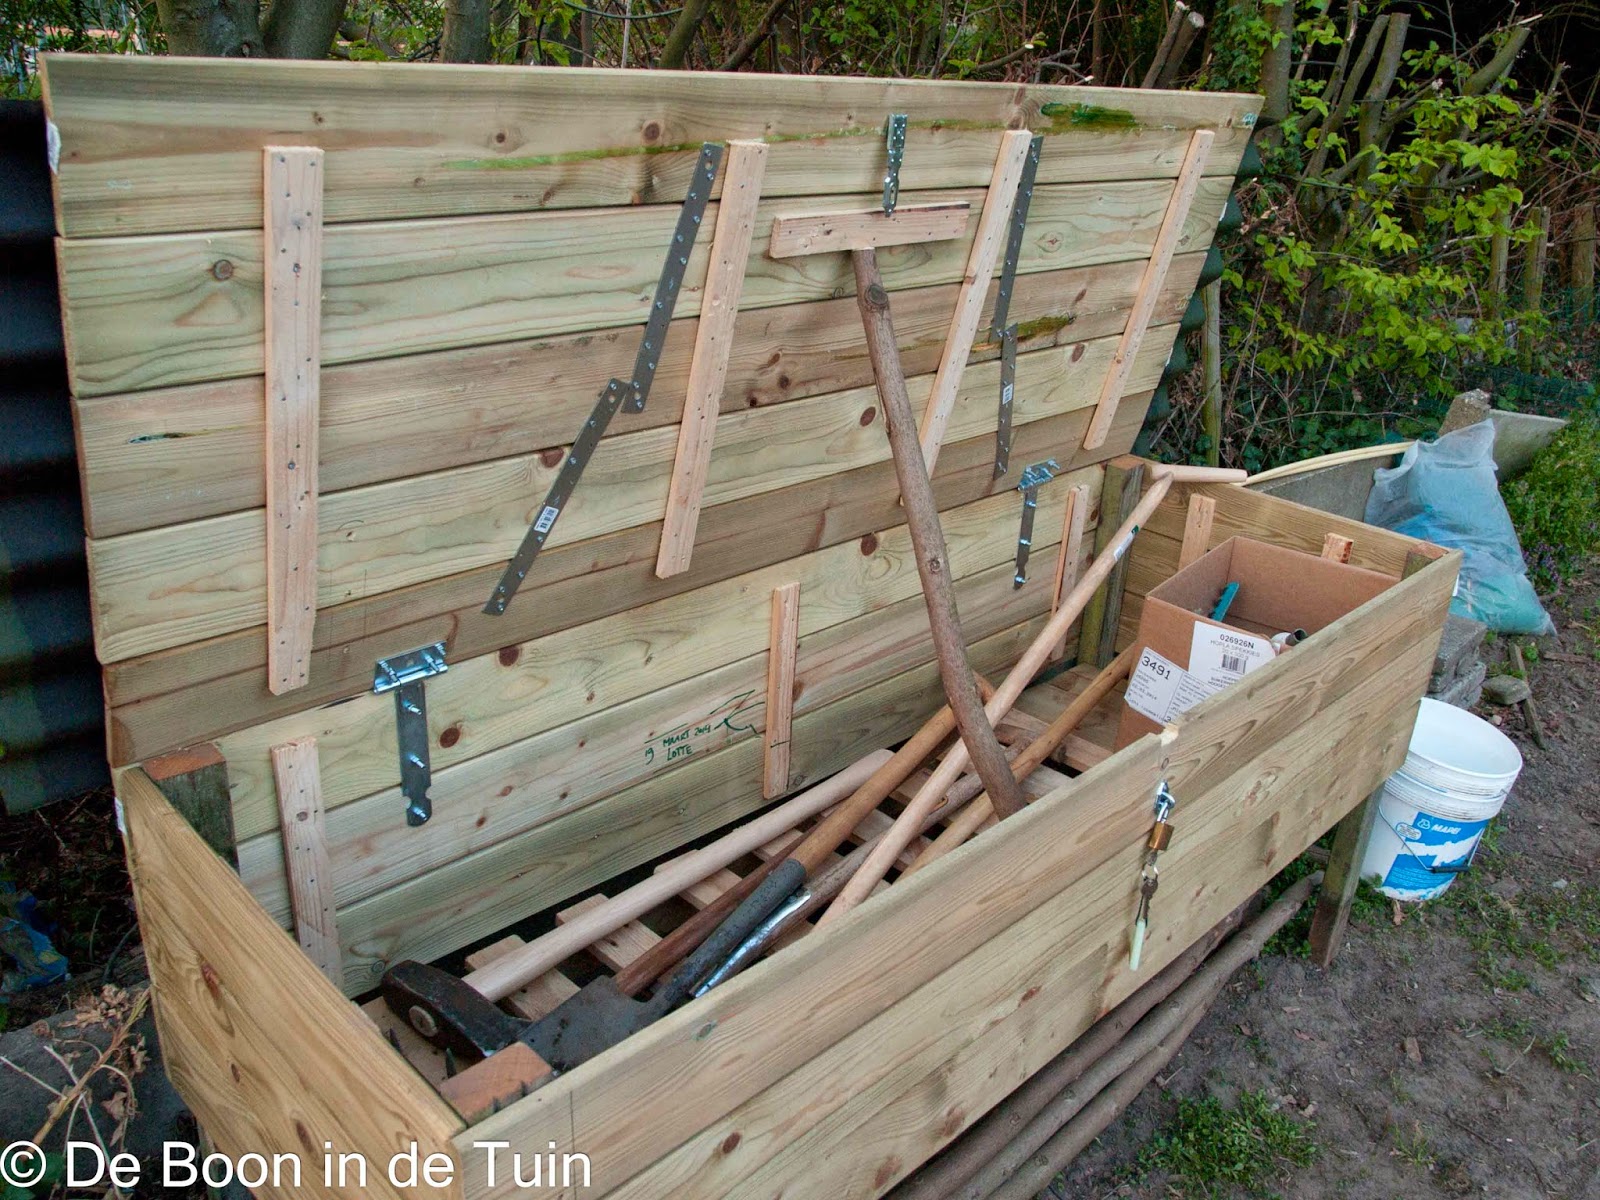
(436, 913)
(1197, 529)
(862, 229)
(139, 156)
(176, 454)
(708, 371)
(305, 850)
(487, 1086)
(539, 998)
(1079, 503)
(151, 312)
(172, 699)
(292, 178)
(621, 946)
(1123, 485)
(856, 969)
(782, 647)
(985, 252)
(1183, 196)
(708, 889)
(165, 587)
(246, 1021)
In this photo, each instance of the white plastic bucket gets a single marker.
(1433, 811)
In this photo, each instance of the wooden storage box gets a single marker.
(488, 244)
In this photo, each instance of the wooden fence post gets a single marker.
(1581, 262)
(1211, 371)
(1533, 284)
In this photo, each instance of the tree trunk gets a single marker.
(301, 28)
(676, 51)
(212, 28)
(466, 31)
(1276, 62)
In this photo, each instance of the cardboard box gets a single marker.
(1185, 656)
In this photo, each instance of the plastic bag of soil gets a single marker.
(1446, 492)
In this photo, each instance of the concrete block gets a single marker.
(1458, 647)
(1465, 690)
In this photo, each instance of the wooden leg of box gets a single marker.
(195, 782)
(1097, 643)
(1339, 883)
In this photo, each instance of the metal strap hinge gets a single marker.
(629, 394)
(1002, 306)
(1028, 485)
(895, 143)
(404, 675)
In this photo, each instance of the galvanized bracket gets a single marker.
(683, 238)
(1028, 485)
(895, 142)
(1019, 218)
(630, 394)
(404, 675)
(583, 448)
(1008, 388)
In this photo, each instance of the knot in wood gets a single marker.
(876, 296)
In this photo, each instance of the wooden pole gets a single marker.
(928, 796)
(927, 539)
(1211, 372)
(1582, 262)
(1499, 262)
(1533, 283)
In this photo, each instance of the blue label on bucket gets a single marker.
(1434, 849)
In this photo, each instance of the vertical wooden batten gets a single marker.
(297, 774)
(784, 638)
(1197, 529)
(986, 247)
(708, 370)
(1098, 634)
(1074, 524)
(1155, 274)
(293, 361)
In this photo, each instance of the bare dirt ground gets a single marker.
(1454, 1053)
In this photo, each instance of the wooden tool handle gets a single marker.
(927, 539)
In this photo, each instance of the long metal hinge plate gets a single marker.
(405, 675)
(1028, 485)
(630, 394)
(1008, 391)
(894, 136)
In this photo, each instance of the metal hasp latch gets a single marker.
(1028, 485)
(1002, 305)
(630, 393)
(404, 675)
(895, 141)
(1149, 874)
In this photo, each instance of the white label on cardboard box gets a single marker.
(1219, 656)
(1160, 689)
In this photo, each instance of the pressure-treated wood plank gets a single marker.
(164, 587)
(993, 226)
(305, 851)
(708, 371)
(984, 1046)
(619, 947)
(178, 697)
(782, 647)
(264, 1050)
(195, 782)
(544, 995)
(496, 699)
(1197, 529)
(1183, 196)
(293, 329)
(858, 967)
(149, 312)
(138, 155)
(862, 229)
(500, 794)
(435, 913)
(1080, 502)
(176, 454)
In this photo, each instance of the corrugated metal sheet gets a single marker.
(52, 741)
